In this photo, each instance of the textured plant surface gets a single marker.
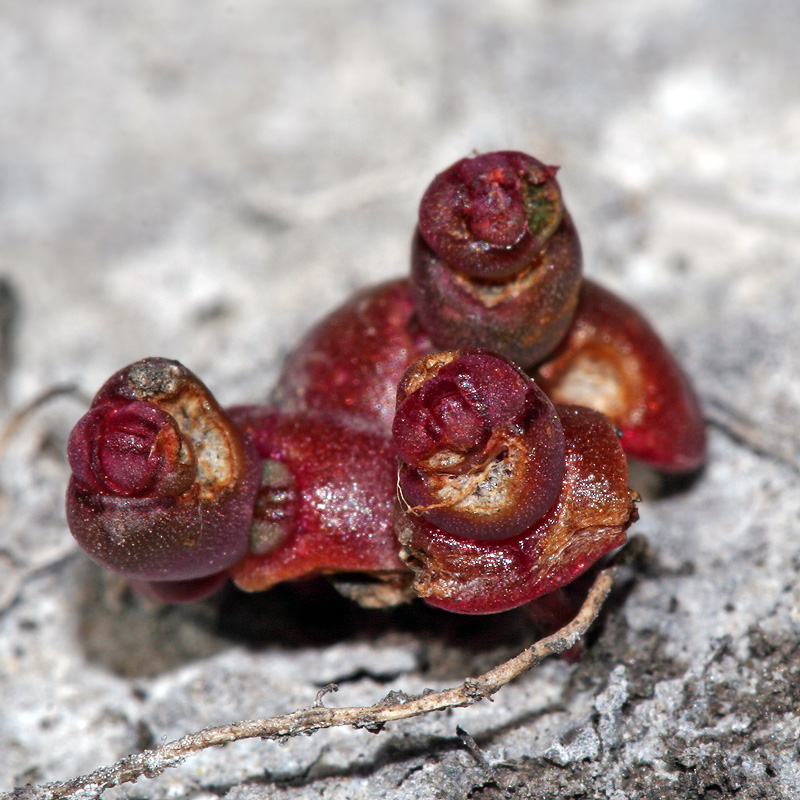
(588, 520)
(449, 475)
(496, 262)
(613, 360)
(163, 483)
(480, 447)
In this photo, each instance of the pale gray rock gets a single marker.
(204, 180)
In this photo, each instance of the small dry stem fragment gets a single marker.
(395, 706)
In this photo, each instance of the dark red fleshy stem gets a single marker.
(351, 361)
(343, 484)
(613, 360)
(181, 591)
(590, 519)
(163, 483)
(514, 291)
(481, 447)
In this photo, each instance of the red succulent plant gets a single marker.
(451, 475)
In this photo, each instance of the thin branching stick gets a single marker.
(395, 706)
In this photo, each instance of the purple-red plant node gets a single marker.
(480, 446)
(163, 483)
(594, 509)
(130, 449)
(613, 360)
(488, 216)
(496, 261)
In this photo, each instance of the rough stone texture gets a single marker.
(202, 180)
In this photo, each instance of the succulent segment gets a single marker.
(480, 447)
(613, 360)
(496, 261)
(351, 362)
(593, 511)
(163, 483)
(335, 488)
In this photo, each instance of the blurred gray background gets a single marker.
(204, 180)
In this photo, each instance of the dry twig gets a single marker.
(394, 706)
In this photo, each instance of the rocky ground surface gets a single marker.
(203, 180)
